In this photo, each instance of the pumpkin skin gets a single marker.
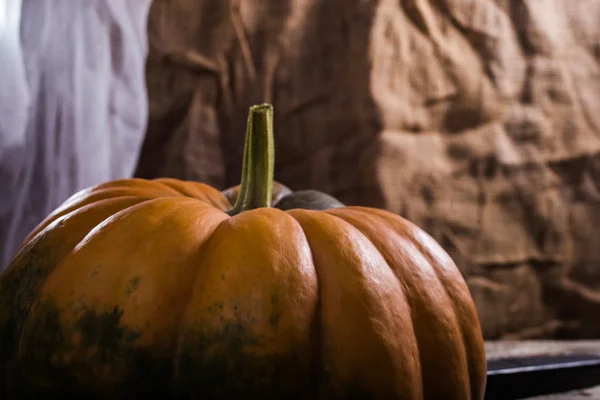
(149, 288)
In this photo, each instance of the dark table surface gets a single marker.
(503, 349)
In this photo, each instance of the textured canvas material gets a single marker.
(479, 120)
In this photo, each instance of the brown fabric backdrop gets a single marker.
(479, 120)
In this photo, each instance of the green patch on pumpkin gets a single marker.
(228, 364)
(104, 363)
(19, 285)
(132, 285)
(275, 313)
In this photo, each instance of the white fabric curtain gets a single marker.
(73, 103)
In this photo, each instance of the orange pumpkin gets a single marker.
(161, 288)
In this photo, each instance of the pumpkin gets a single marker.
(163, 288)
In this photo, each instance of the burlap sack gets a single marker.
(476, 119)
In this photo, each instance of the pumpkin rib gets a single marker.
(316, 333)
(56, 216)
(476, 373)
(123, 213)
(251, 311)
(57, 290)
(318, 380)
(198, 190)
(85, 207)
(450, 278)
(19, 297)
(364, 309)
(415, 271)
(462, 307)
(134, 184)
(89, 197)
(86, 237)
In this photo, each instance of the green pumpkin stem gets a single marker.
(259, 159)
